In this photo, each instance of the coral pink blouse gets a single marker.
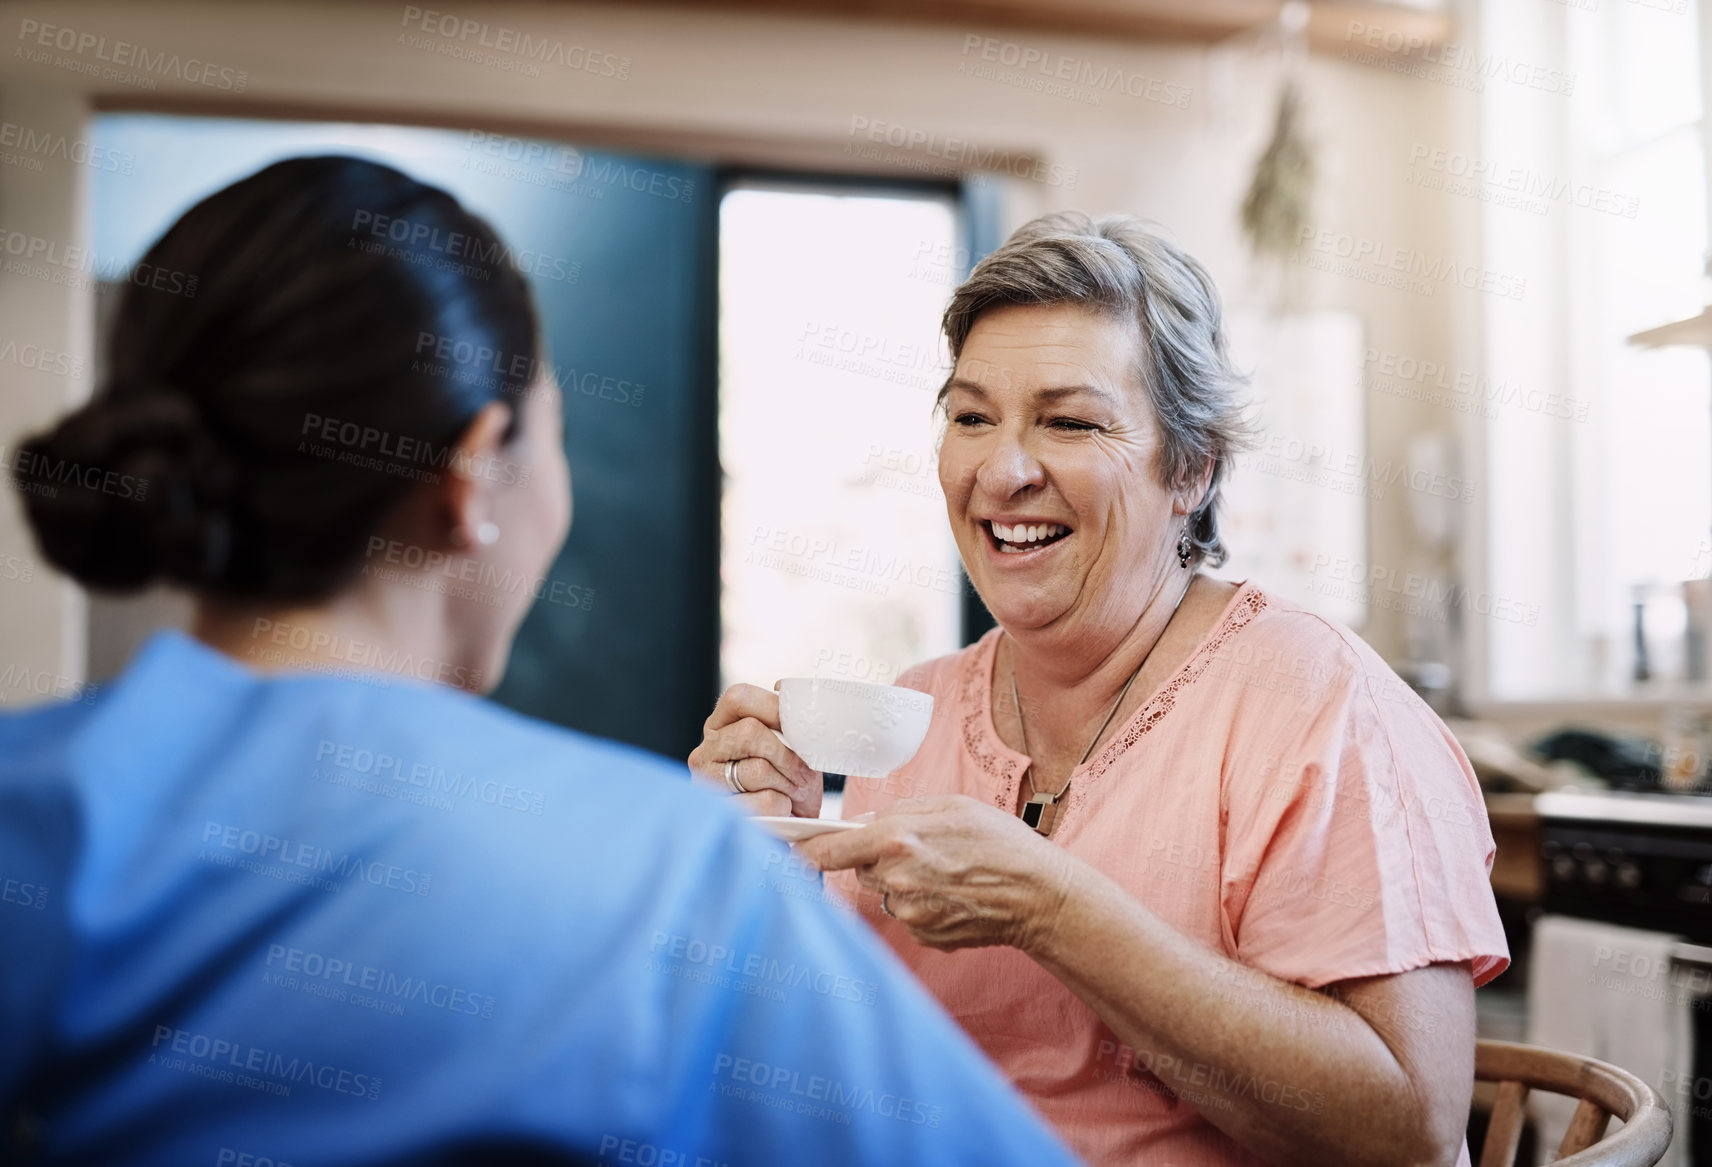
(1284, 798)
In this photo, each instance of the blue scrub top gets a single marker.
(325, 921)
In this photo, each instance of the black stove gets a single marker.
(1642, 860)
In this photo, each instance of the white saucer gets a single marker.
(795, 830)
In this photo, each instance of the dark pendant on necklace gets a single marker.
(1041, 812)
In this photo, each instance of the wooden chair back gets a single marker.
(1605, 1091)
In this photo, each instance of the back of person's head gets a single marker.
(318, 296)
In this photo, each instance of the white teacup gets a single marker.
(851, 727)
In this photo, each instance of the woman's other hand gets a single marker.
(954, 871)
(742, 728)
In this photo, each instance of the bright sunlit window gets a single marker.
(836, 557)
(1610, 507)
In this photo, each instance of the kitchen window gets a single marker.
(1598, 451)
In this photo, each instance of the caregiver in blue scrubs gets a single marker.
(290, 891)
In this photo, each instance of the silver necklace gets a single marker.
(1041, 811)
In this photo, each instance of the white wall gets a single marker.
(46, 327)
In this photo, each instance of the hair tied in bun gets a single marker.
(132, 489)
(190, 466)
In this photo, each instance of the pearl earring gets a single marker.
(487, 534)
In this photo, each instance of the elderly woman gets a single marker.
(1191, 863)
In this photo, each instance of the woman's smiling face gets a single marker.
(1050, 469)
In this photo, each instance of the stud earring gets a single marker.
(1185, 547)
(487, 534)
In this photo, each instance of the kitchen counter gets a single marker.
(1516, 830)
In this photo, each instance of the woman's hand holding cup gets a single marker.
(742, 731)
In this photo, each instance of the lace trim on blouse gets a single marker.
(977, 700)
(972, 692)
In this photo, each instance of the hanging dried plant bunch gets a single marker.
(1276, 206)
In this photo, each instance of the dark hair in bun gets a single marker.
(279, 382)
